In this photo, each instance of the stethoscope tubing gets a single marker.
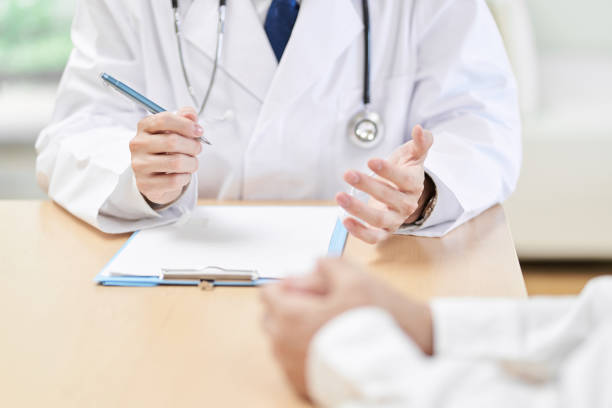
(366, 46)
(366, 97)
(218, 52)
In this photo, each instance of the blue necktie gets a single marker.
(279, 24)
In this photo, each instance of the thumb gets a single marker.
(336, 272)
(328, 270)
(189, 113)
(312, 283)
(423, 140)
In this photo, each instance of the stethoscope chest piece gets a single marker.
(366, 129)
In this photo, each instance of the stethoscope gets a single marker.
(365, 129)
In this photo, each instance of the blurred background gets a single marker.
(561, 52)
(34, 47)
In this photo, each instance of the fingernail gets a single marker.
(343, 201)
(352, 177)
(198, 130)
(377, 165)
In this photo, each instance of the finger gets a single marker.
(414, 151)
(423, 140)
(268, 296)
(312, 283)
(173, 163)
(329, 270)
(408, 179)
(269, 325)
(171, 123)
(383, 219)
(398, 201)
(367, 234)
(283, 310)
(343, 274)
(159, 164)
(164, 183)
(283, 304)
(173, 143)
(189, 113)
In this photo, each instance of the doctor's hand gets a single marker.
(398, 194)
(164, 154)
(296, 308)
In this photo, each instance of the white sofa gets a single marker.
(562, 54)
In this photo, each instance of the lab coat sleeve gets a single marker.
(542, 329)
(83, 158)
(362, 359)
(465, 93)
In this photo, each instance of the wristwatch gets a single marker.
(431, 204)
(429, 207)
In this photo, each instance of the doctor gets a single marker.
(347, 340)
(280, 98)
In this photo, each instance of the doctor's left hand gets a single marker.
(399, 193)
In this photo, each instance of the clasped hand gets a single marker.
(296, 308)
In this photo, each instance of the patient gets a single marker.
(345, 339)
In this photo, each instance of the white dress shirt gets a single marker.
(262, 7)
(542, 352)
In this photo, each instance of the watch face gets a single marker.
(366, 130)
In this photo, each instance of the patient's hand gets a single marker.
(297, 308)
(164, 154)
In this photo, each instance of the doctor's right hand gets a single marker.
(164, 154)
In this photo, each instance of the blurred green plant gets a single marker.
(34, 36)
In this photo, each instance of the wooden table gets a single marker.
(66, 342)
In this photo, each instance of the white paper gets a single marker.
(275, 241)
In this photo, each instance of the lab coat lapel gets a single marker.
(323, 31)
(247, 55)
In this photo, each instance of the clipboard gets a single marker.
(335, 243)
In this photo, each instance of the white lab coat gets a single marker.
(542, 352)
(439, 63)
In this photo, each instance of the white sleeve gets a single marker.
(361, 359)
(466, 94)
(538, 329)
(83, 158)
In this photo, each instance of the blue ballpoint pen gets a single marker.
(145, 102)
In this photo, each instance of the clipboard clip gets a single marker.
(210, 274)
